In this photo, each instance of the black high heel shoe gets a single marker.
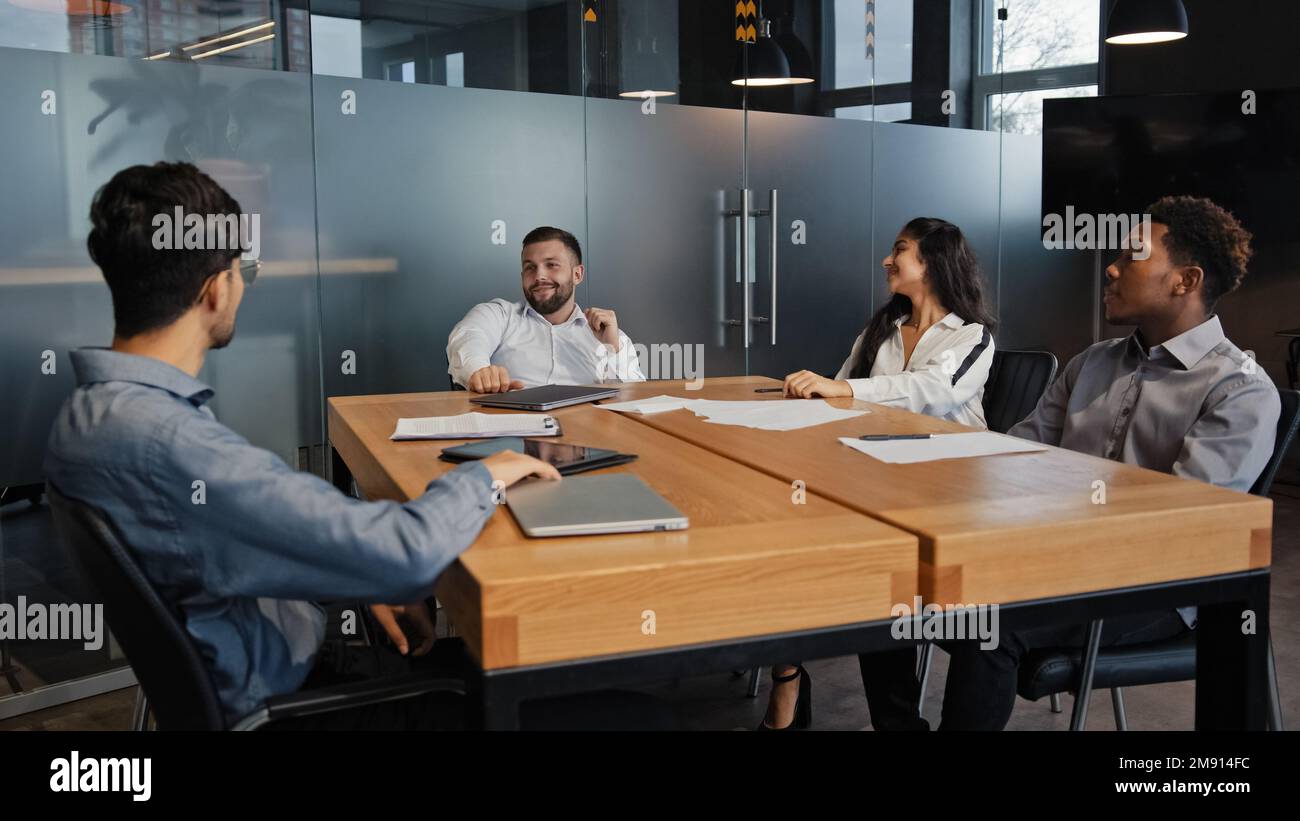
(803, 704)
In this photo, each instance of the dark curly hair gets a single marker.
(1202, 233)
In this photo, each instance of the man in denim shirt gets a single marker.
(244, 554)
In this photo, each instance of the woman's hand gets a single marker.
(806, 385)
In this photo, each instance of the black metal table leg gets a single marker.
(340, 474)
(1232, 662)
(499, 704)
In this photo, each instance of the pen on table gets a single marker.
(889, 437)
(769, 390)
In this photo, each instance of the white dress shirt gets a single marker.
(945, 376)
(535, 352)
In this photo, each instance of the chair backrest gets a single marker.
(1016, 382)
(151, 632)
(1287, 423)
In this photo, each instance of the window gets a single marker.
(878, 88)
(891, 113)
(892, 39)
(403, 71)
(456, 69)
(1021, 112)
(1044, 49)
(1047, 34)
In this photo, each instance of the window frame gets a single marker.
(986, 82)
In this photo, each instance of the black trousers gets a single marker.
(340, 663)
(981, 689)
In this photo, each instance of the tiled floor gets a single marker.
(719, 702)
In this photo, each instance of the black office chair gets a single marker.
(1056, 670)
(169, 669)
(456, 386)
(1293, 363)
(175, 679)
(1016, 382)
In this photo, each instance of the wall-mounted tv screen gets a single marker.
(1116, 155)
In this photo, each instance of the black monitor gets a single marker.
(1116, 155)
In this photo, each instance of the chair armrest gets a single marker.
(345, 696)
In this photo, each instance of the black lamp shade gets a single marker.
(1134, 22)
(800, 61)
(767, 64)
(773, 61)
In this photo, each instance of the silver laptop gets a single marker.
(582, 505)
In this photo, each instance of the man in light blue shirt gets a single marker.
(546, 339)
(237, 541)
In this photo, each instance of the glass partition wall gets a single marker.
(735, 173)
(222, 86)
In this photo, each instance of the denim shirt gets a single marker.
(240, 543)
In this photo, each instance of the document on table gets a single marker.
(942, 446)
(770, 414)
(782, 414)
(476, 426)
(655, 404)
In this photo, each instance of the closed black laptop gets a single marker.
(545, 398)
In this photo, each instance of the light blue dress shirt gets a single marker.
(232, 536)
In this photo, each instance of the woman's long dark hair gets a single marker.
(952, 272)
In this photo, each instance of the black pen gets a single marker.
(889, 437)
(769, 390)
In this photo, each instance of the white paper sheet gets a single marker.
(786, 414)
(655, 404)
(476, 426)
(942, 446)
(763, 414)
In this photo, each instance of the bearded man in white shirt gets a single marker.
(547, 339)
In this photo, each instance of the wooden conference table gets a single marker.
(799, 547)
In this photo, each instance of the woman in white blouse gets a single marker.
(928, 350)
(930, 347)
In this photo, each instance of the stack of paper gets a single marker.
(942, 446)
(770, 414)
(476, 426)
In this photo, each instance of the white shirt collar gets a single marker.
(951, 320)
(575, 318)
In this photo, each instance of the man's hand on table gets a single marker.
(493, 379)
(509, 467)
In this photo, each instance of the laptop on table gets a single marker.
(544, 398)
(585, 505)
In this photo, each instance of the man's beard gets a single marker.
(221, 336)
(555, 303)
